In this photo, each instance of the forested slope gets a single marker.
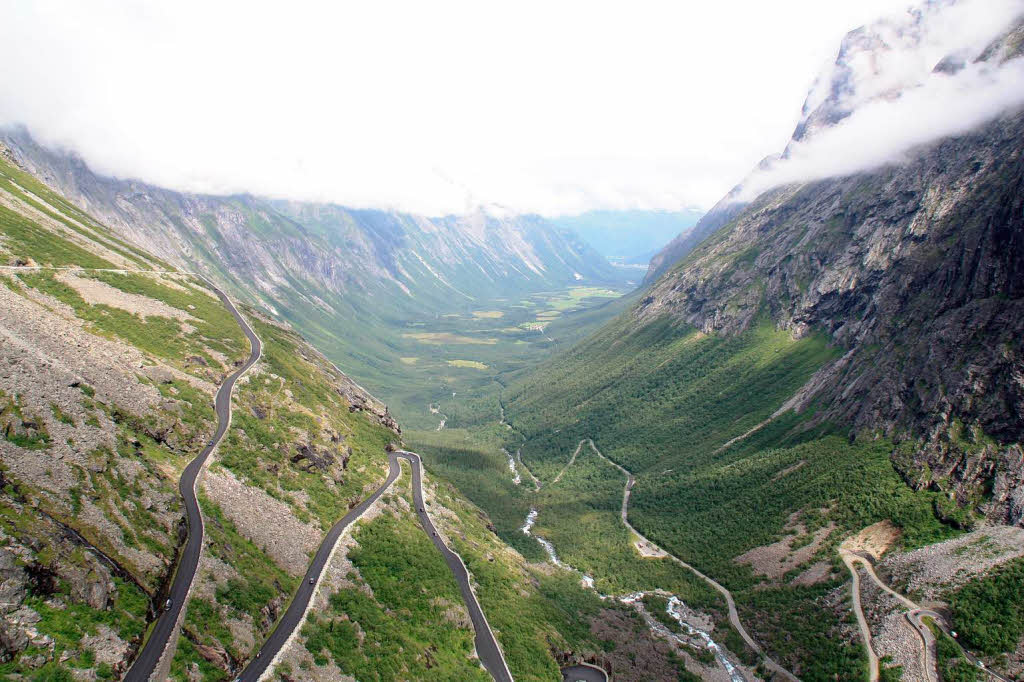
(832, 354)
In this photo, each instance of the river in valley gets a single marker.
(674, 609)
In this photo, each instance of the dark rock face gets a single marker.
(42, 580)
(918, 272)
(23, 576)
(308, 458)
(363, 402)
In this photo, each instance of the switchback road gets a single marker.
(168, 622)
(914, 615)
(862, 621)
(583, 672)
(296, 612)
(486, 644)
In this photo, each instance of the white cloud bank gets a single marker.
(899, 101)
(427, 107)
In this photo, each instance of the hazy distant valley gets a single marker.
(408, 304)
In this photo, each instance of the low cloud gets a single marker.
(894, 99)
(427, 107)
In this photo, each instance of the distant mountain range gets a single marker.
(329, 270)
(629, 237)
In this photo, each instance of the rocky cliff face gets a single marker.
(915, 270)
(722, 212)
(268, 250)
(875, 63)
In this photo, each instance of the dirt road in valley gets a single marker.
(734, 617)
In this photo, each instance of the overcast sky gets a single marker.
(430, 107)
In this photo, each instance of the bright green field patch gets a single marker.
(441, 338)
(472, 364)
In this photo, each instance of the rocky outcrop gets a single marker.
(310, 459)
(916, 271)
(23, 574)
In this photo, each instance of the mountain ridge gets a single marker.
(933, 243)
(354, 282)
(832, 357)
(525, 250)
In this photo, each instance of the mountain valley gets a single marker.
(254, 438)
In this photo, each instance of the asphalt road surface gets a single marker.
(583, 673)
(297, 609)
(915, 619)
(486, 645)
(145, 664)
(862, 622)
(914, 615)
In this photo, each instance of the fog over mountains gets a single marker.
(425, 361)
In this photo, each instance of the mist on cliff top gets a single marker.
(426, 107)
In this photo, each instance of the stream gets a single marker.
(512, 467)
(674, 608)
(437, 410)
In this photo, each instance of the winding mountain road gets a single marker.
(583, 672)
(486, 644)
(862, 622)
(734, 616)
(168, 623)
(572, 460)
(914, 616)
(297, 609)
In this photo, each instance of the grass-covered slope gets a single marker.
(111, 363)
(113, 367)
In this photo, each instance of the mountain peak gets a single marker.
(883, 60)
